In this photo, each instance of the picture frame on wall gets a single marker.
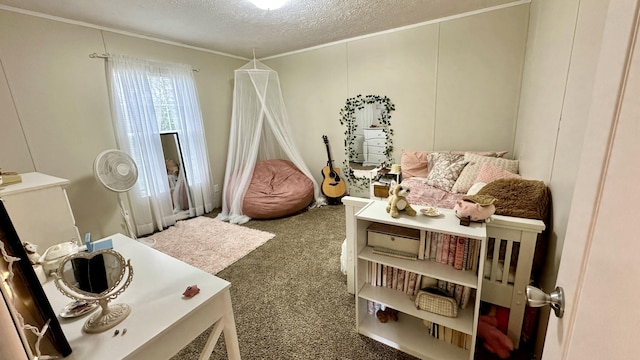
(27, 297)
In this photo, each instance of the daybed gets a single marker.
(517, 236)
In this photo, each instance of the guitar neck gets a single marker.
(329, 161)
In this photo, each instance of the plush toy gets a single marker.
(172, 167)
(475, 208)
(32, 252)
(495, 341)
(398, 200)
(387, 314)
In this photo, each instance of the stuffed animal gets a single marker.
(495, 341)
(172, 167)
(32, 252)
(398, 200)
(387, 314)
(475, 208)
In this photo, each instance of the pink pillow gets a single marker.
(489, 173)
(414, 163)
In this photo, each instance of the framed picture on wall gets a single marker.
(25, 295)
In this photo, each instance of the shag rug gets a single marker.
(209, 244)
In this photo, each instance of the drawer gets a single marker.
(374, 134)
(393, 237)
(374, 159)
(377, 142)
(375, 150)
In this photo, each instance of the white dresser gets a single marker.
(375, 143)
(39, 210)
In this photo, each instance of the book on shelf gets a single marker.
(433, 251)
(399, 283)
(394, 253)
(412, 283)
(393, 278)
(444, 256)
(448, 335)
(465, 256)
(459, 254)
(453, 244)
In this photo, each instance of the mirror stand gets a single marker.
(96, 277)
(108, 317)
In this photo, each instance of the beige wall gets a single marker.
(55, 110)
(455, 85)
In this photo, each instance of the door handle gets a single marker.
(538, 298)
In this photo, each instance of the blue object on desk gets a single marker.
(87, 242)
(97, 245)
(102, 245)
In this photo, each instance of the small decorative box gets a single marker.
(10, 178)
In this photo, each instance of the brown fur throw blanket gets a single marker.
(529, 199)
(520, 198)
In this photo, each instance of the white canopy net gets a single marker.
(259, 131)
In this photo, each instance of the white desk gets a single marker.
(161, 322)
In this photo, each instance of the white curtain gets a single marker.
(259, 131)
(189, 126)
(138, 133)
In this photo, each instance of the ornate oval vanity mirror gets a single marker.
(96, 277)
(368, 142)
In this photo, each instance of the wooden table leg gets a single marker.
(227, 325)
(231, 337)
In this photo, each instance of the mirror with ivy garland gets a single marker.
(368, 142)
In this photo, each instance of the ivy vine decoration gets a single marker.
(348, 118)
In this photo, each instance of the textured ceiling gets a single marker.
(237, 27)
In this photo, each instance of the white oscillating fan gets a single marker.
(117, 171)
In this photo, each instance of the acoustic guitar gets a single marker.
(333, 186)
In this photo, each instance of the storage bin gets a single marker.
(381, 190)
(393, 237)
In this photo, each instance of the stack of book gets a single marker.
(460, 252)
(392, 278)
(448, 335)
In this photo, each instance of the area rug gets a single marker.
(209, 244)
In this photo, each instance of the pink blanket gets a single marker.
(423, 194)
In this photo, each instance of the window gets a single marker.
(164, 102)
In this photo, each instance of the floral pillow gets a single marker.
(446, 169)
(468, 176)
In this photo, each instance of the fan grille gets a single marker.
(116, 170)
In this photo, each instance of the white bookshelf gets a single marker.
(409, 334)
